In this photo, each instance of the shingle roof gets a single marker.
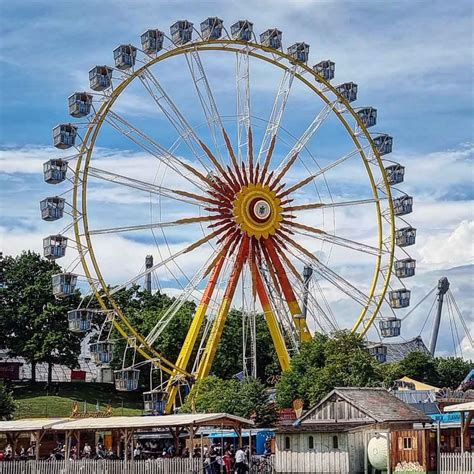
(381, 405)
(377, 403)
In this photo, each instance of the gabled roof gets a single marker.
(377, 404)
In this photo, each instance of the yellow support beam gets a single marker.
(192, 335)
(218, 326)
(273, 327)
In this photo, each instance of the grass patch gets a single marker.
(33, 400)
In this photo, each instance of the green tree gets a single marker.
(451, 371)
(327, 362)
(255, 403)
(248, 399)
(213, 395)
(7, 404)
(33, 324)
(419, 366)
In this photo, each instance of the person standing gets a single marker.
(240, 461)
(87, 451)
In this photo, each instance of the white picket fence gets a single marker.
(155, 466)
(457, 463)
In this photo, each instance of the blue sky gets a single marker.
(411, 59)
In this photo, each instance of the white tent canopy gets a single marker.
(29, 424)
(468, 406)
(166, 421)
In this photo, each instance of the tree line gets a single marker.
(33, 325)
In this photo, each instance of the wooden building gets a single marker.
(356, 430)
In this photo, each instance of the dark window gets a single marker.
(287, 442)
(335, 442)
(311, 442)
(407, 443)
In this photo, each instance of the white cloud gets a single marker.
(449, 249)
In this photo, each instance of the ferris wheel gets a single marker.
(236, 190)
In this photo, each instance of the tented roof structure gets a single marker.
(167, 421)
(30, 424)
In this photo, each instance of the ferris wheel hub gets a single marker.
(257, 210)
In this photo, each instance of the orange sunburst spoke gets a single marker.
(250, 154)
(285, 168)
(268, 158)
(283, 278)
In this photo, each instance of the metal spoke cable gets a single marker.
(155, 149)
(278, 109)
(322, 171)
(461, 318)
(341, 241)
(333, 278)
(427, 317)
(206, 98)
(243, 100)
(141, 185)
(419, 303)
(321, 205)
(178, 303)
(307, 135)
(156, 225)
(173, 114)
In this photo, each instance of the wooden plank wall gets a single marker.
(337, 410)
(321, 459)
(416, 454)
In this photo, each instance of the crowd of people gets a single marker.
(23, 454)
(217, 458)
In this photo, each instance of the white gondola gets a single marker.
(348, 90)
(80, 320)
(405, 268)
(64, 284)
(124, 56)
(402, 205)
(368, 116)
(101, 352)
(126, 380)
(154, 402)
(405, 236)
(299, 52)
(64, 135)
(52, 208)
(80, 104)
(211, 28)
(54, 246)
(152, 41)
(384, 144)
(271, 38)
(395, 173)
(326, 69)
(390, 327)
(100, 78)
(379, 351)
(399, 298)
(181, 32)
(54, 171)
(242, 30)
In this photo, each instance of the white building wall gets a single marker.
(323, 458)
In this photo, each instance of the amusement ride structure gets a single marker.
(248, 195)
